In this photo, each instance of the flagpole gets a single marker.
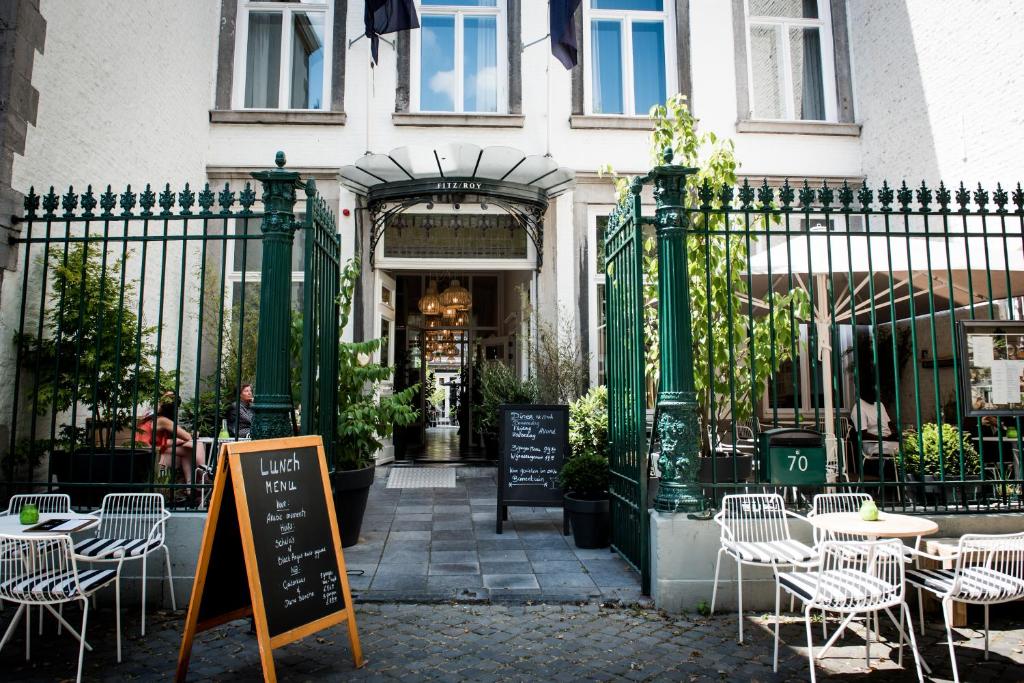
(369, 93)
(547, 88)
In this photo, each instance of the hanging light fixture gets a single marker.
(461, 318)
(449, 313)
(434, 322)
(429, 303)
(457, 297)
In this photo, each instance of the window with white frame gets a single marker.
(790, 60)
(631, 68)
(281, 54)
(461, 56)
(597, 223)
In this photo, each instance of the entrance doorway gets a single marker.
(443, 348)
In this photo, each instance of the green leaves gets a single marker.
(937, 450)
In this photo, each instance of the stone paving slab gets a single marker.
(508, 642)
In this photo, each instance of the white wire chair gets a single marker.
(989, 570)
(827, 503)
(851, 578)
(131, 528)
(42, 570)
(755, 531)
(47, 503)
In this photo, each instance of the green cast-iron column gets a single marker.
(678, 423)
(272, 404)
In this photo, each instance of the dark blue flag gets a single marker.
(388, 16)
(563, 31)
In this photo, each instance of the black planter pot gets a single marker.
(351, 490)
(590, 519)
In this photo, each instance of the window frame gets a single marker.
(828, 62)
(626, 17)
(500, 11)
(286, 9)
(595, 280)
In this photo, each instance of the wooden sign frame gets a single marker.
(229, 466)
(503, 501)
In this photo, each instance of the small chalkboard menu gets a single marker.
(534, 445)
(271, 549)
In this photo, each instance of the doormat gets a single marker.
(421, 478)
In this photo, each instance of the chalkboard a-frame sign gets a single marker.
(271, 550)
(534, 445)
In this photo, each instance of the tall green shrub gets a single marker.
(588, 423)
(929, 461)
(499, 384)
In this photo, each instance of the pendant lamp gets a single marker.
(429, 303)
(457, 297)
(449, 313)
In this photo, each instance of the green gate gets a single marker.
(627, 404)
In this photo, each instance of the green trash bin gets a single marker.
(792, 457)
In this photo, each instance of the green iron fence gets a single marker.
(886, 319)
(136, 302)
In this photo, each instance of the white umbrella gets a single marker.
(879, 279)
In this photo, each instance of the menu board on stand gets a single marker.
(271, 549)
(534, 446)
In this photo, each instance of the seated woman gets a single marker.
(172, 442)
(239, 414)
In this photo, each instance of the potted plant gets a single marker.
(585, 475)
(94, 362)
(365, 417)
(926, 461)
(499, 385)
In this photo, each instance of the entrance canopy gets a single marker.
(458, 174)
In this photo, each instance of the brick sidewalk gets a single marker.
(501, 642)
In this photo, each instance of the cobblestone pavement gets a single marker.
(507, 642)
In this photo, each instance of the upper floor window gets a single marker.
(281, 54)
(461, 49)
(790, 60)
(627, 56)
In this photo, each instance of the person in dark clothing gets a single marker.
(239, 415)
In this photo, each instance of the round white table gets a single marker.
(12, 526)
(888, 525)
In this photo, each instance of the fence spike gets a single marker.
(225, 199)
(826, 195)
(726, 195)
(1018, 198)
(943, 196)
(746, 195)
(866, 197)
(31, 202)
(108, 200)
(963, 197)
(166, 200)
(147, 200)
(310, 188)
(127, 201)
(981, 199)
(924, 196)
(88, 202)
(186, 198)
(1000, 197)
(885, 196)
(845, 197)
(206, 199)
(705, 194)
(50, 203)
(806, 196)
(904, 196)
(786, 195)
(247, 197)
(766, 195)
(70, 202)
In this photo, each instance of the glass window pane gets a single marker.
(766, 68)
(645, 5)
(602, 225)
(808, 87)
(263, 61)
(437, 63)
(307, 60)
(480, 64)
(606, 37)
(796, 9)
(648, 65)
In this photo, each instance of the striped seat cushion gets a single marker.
(112, 548)
(977, 583)
(768, 552)
(839, 587)
(41, 585)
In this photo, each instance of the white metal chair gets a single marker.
(755, 531)
(826, 503)
(42, 570)
(851, 579)
(131, 528)
(45, 502)
(989, 570)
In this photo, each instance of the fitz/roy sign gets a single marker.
(457, 185)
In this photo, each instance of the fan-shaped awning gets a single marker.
(454, 174)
